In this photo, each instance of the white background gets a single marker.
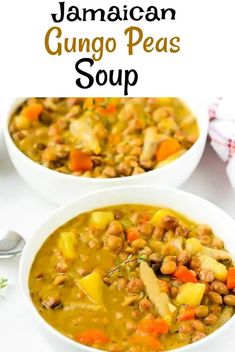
(205, 63)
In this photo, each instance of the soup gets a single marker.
(133, 278)
(103, 137)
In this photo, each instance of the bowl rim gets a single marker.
(23, 276)
(203, 125)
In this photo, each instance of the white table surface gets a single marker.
(23, 210)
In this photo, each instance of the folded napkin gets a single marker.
(222, 133)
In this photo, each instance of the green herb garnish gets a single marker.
(3, 282)
(129, 259)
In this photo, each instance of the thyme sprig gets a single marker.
(3, 282)
(129, 259)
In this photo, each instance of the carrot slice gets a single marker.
(149, 342)
(99, 101)
(33, 111)
(184, 274)
(231, 278)
(101, 111)
(153, 326)
(144, 218)
(80, 161)
(132, 234)
(111, 108)
(91, 337)
(167, 148)
(106, 110)
(187, 314)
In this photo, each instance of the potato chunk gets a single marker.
(67, 244)
(157, 219)
(93, 286)
(101, 219)
(21, 122)
(193, 246)
(219, 270)
(190, 294)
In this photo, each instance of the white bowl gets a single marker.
(60, 188)
(192, 206)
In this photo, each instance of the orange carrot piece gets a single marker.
(187, 314)
(231, 278)
(111, 108)
(149, 342)
(80, 161)
(184, 274)
(153, 326)
(167, 148)
(99, 101)
(132, 234)
(106, 110)
(144, 218)
(101, 111)
(91, 337)
(33, 111)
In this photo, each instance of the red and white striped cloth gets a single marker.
(222, 133)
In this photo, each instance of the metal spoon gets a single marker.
(11, 243)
